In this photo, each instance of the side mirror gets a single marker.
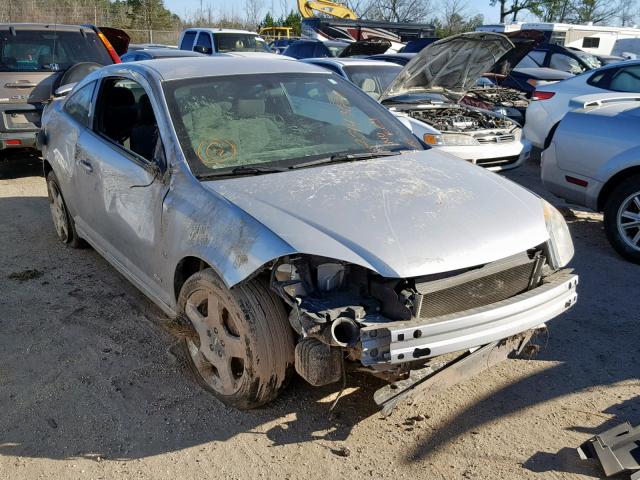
(203, 49)
(64, 90)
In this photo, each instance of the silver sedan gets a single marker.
(289, 220)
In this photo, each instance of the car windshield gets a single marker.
(240, 42)
(373, 79)
(45, 51)
(589, 59)
(336, 49)
(277, 120)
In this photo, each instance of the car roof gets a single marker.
(168, 52)
(350, 61)
(219, 30)
(45, 26)
(190, 67)
(393, 55)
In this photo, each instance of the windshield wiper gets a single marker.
(243, 170)
(346, 157)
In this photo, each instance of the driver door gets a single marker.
(122, 165)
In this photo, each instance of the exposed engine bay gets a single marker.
(490, 97)
(335, 305)
(456, 118)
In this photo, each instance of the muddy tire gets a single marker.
(240, 346)
(62, 222)
(622, 218)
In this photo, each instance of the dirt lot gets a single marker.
(90, 388)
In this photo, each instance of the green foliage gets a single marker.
(293, 20)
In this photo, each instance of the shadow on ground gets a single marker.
(18, 164)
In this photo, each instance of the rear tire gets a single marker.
(622, 218)
(63, 223)
(241, 345)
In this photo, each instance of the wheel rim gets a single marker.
(217, 348)
(58, 213)
(629, 221)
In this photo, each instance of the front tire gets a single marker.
(62, 221)
(241, 345)
(622, 218)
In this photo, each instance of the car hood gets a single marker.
(452, 64)
(524, 41)
(372, 46)
(416, 214)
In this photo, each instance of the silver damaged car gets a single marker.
(290, 221)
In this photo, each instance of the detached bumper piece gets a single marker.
(428, 381)
(422, 338)
(617, 450)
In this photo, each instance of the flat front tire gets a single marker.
(62, 221)
(240, 346)
(622, 218)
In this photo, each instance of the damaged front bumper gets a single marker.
(398, 342)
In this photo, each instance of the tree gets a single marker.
(399, 10)
(515, 8)
(253, 9)
(628, 13)
(455, 19)
(596, 11)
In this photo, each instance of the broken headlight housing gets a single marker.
(560, 243)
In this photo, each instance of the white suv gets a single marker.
(222, 40)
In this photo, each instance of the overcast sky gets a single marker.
(236, 7)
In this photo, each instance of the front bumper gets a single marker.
(494, 157)
(398, 342)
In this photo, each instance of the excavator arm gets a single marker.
(308, 8)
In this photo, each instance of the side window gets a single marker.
(590, 42)
(78, 105)
(626, 79)
(187, 40)
(204, 40)
(330, 67)
(560, 61)
(125, 116)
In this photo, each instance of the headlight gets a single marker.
(449, 139)
(560, 243)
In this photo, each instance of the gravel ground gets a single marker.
(90, 387)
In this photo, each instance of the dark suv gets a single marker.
(35, 60)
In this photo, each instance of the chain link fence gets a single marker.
(165, 37)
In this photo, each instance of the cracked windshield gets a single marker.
(281, 121)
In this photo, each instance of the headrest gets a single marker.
(121, 97)
(369, 85)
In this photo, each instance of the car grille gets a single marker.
(496, 139)
(477, 288)
(497, 162)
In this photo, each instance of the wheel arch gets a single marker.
(613, 182)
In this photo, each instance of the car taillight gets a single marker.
(112, 52)
(540, 95)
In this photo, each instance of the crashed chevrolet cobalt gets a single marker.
(289, 220)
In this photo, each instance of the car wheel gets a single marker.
(62, 221)
(241, 345)
(622, 218)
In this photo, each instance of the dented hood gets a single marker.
(405, 216)
(451, 65)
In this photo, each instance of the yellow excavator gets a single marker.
(308, 9)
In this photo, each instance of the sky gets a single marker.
(182, 7)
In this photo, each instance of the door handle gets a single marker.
(86, 165)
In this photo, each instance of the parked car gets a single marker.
(557, 57)
(528, 79)
(36, 59)
(222, 40)
(314, 49)
(238, 236)
(553, 101)
(279, 45)
(148, 46)
(398, 58)
(593, 159)
(371, 76)
(414, 46)
(428, 92)
(153, 53)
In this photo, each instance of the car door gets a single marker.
(121, 162)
